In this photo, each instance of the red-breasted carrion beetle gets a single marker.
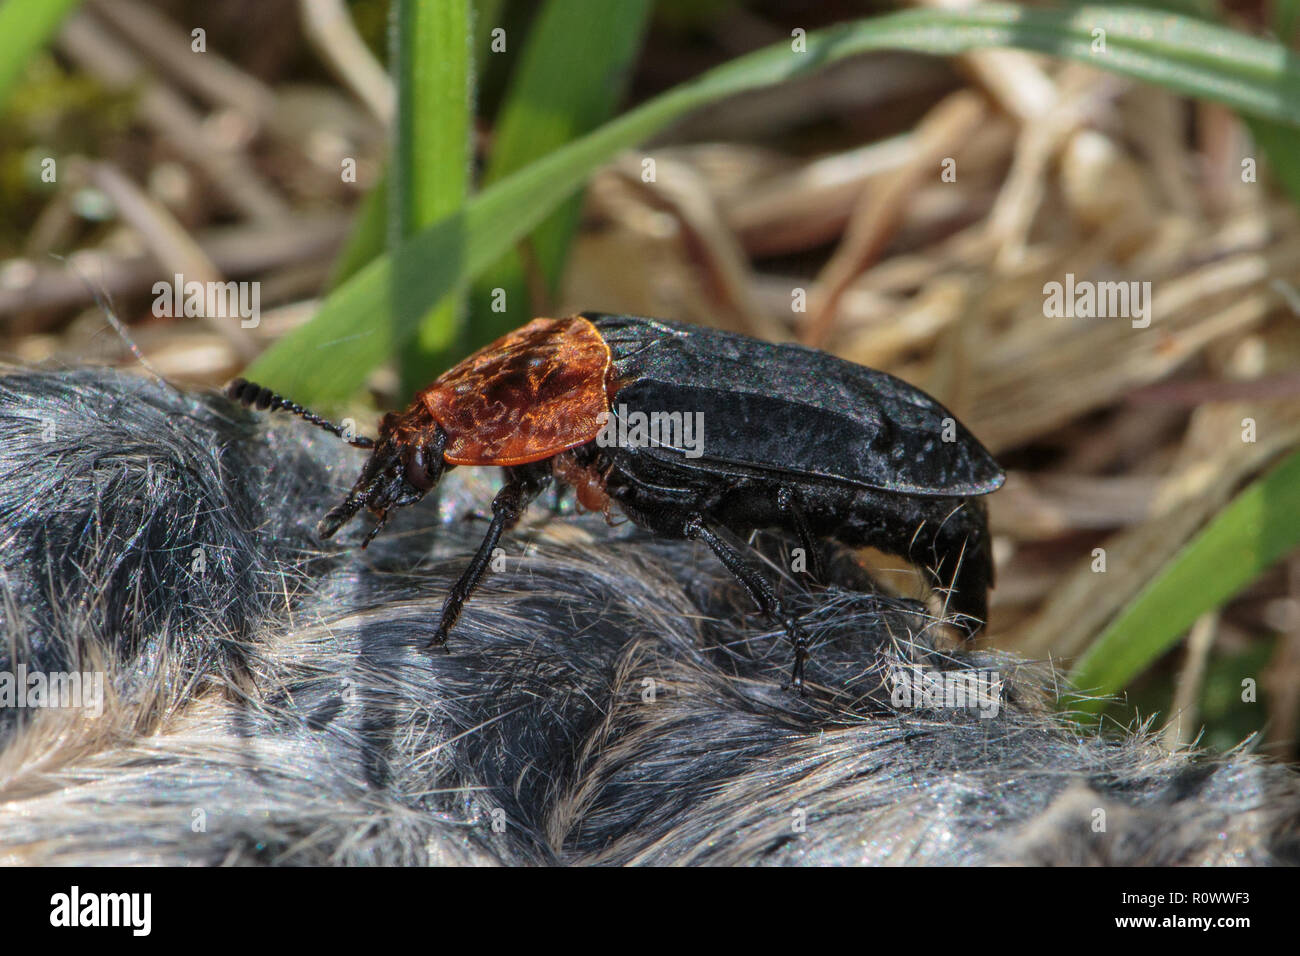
(690, 431)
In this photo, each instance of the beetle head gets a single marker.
(406, 463)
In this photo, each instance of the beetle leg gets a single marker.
(519, 491)
(962, 569)
(379, 526)
(788, 501)
(344, 511)
(759, 589)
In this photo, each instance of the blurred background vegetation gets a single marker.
(405, 181)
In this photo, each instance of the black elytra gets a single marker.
(792, 438)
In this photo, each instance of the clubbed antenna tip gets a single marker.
(252, 395)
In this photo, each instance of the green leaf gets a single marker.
(571, 74)
(25, 27)
(1284, 19)
(361, 324)
(431, 155)
(1280, 143)
(1258, 527)
(366, 239)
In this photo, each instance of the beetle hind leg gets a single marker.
(759, 589)
(962, 568)
(947, 539)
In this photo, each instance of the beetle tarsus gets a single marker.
(373, 532)
(801, 655)
(796, 678)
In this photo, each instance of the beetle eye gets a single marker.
(417, 471)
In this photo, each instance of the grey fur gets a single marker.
(607, 698)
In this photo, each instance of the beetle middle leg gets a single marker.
(521, 487)
(787, 501)
(759, 589)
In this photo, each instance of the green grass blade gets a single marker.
(359, 326)
(571, 74)
(369, 232)
(487, 16)
(1258, 527)
(430, 165)
(25, 27)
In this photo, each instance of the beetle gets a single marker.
(793, 438)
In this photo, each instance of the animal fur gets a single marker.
(607, 698)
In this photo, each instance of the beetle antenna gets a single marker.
(250, 394)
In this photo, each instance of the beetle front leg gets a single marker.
(759, 589)
(510, 502)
